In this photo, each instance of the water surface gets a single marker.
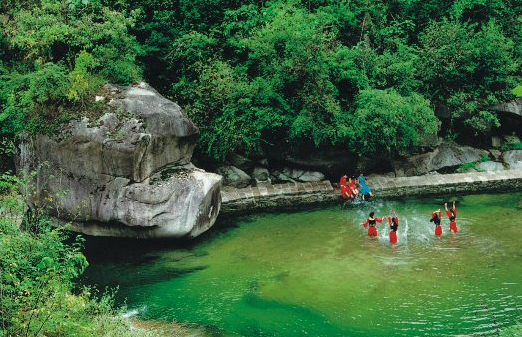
(316, 273)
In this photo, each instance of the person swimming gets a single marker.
(371, 223)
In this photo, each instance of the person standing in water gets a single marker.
(452, 214)
(365, 190)
(370, 223)
(435, 218)
(393, 221)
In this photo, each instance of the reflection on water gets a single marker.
(316, 273)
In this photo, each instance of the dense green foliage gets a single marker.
(253, 72)
(250, 72)
(56, 53)
(37, 274)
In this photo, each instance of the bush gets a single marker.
(387, 123)
(57, 53)
(39, 266)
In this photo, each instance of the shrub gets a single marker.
(40, 263)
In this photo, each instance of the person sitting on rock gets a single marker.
(365, 190)
(346, 192)
(352, 184)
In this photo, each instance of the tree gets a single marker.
(387, 123)
(56, 53)
(467, 68)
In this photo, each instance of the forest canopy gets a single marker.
(369, 76)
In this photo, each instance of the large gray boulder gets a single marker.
(127, 173)
(447, 155)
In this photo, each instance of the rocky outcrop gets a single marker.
(489, 166)
(327, 160)
(261, 174)
(513, 159)
(241, 162)
(232, 176)
(126, 174)
(513, 107)
(447, 155)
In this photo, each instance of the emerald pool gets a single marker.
(314, 272)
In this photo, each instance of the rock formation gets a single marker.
(128, 173)
(447, 155)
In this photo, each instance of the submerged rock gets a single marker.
(127, 174)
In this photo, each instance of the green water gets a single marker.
(316, 273)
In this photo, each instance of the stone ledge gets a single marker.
(292, 195)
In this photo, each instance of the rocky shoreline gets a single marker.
(130, 171)
(294, 195)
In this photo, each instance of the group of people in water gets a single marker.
(353, 186)
(393, 222)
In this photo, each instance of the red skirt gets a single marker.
(372, 231)
(438, 230)
(346, 192)
(453, 226)
(393, 237)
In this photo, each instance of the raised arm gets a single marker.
(365, 224)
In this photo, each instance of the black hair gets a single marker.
(372, 214)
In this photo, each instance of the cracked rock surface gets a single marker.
(127, 174)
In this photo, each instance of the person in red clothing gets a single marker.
(346, 193)
(452, 214)
(370, 223)
(393, 221)
(435, 218)
(352, 184)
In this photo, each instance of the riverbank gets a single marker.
(294, 195)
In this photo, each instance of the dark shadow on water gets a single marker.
(288, 318)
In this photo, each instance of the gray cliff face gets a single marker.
(127, 174)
